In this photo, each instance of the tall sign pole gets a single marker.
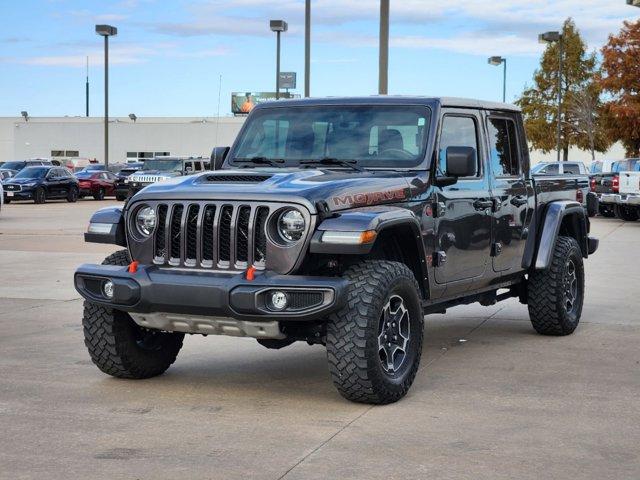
(106, 31)
(307, 48)
(86, 91)
(383, 63)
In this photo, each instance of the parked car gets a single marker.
(15, 166)
(579, 172)
(160, 169)
(627, 200)
(97, 183)
(41, 184)
(122, 185)
(560, 168)
(607, 186)
(345, 230)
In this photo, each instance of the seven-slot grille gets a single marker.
(211, 235)
(11, 187)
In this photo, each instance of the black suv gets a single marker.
(122, 186)
(340, 222)
(15, 166)
(41, 183)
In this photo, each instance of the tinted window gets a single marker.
(596, 167)
(198, 166)
(385, 136)
(456, 132)
(571, 169)
(505, 160)
(14, 165)
(32, 172)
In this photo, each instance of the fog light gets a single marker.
(107, 289)
(279, 300)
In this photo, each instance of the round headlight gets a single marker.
(146, 221)
(291, 225)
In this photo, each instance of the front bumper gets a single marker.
(221, 295)
(19, 194)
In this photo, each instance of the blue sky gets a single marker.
(169, 54)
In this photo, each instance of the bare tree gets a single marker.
(584, 114)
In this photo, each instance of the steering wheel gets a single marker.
(398, 153)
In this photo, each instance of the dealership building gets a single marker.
(131, 139)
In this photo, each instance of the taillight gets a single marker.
(592, 184)
(616, 184)
(579, 196)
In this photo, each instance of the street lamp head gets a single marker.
(549, 37)
(278, 25)
(496, 61)
(133, 117)
(25, 115)
(106, 30)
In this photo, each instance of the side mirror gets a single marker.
(218, 155)
(462, 162)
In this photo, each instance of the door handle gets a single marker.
(482, 204)
(519, 201)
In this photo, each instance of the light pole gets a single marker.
(553, 37)
(496, 62)
(383, 61)
(307, 48)
(278, 26)
(106, 31)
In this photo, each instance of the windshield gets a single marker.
(13, 165)
(373, 136)
(538, 167)
(625, 166)
(32, 172)
(596, 167)
(163, 165)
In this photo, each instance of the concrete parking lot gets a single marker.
(492, 399)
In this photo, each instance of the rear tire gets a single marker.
(607, 211)
(556, 295)
(628, 214)
(72, 197)
(374, 343)
(592, 204)
(121, 348)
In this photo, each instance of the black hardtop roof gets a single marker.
(394, 100)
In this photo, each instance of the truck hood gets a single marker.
(334, 189)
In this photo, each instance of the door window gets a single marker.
(198, 166)
(505, 161)
(571, 169)
(456, 132)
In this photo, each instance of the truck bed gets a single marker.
(549, 188)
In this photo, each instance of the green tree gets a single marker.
(540, 103)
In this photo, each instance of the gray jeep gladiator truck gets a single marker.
(340, 222)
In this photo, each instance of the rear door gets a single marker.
(512, 190)
(463, 223)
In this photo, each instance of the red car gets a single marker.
(99, 184)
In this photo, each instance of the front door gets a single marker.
(464, 210)
(512, 190)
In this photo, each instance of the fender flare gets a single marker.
(546, 229)
(107, 226)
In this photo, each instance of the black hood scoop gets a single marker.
(233, 178)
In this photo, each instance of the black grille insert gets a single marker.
(242, 234)
(176, 232)
(225, 233)
(192, 233)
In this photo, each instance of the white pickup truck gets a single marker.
(628, 200)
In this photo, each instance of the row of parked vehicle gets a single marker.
(39, 180)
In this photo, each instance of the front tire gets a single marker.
(556, 295)
(628, 214)
(40, 196)
(121, 348)
(607, 211)
(374, 343)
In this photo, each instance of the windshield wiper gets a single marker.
(274, 162)
(334, 161)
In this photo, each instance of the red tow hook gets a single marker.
(251, 273)
(133, 266)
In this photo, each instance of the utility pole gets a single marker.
(106, 31)
(86, 90)
(383, 63)
(307, 48)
